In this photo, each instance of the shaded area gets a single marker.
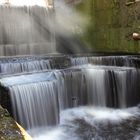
(110, 25)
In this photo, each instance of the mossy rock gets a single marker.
(8, 127)
(111, 25)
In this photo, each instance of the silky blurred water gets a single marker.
(92, 123)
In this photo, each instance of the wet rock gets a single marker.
(89, 127)
(136, 36)
(8, 128)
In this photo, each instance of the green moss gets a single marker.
(8, 127)
(111, 24)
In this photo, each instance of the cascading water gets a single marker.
(87, 123)
(31, 28)
(44, 98)
(105, 60)
(35, 104)
(27, 66)
(25, 29)
(37, 93)
(38, 98)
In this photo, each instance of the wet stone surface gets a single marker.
(129, 129)
(8, 127)
(120, 126)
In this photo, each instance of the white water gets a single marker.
(98, 118)
(25, 66)
(103, 60)
(25, 2)
(38, 98)
(92, 114)
(95, 81)
(35, 104)
(25, 28)
(28, 27)
(38, 103)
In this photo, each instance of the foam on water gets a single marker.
(93, 123)
(91, 114)
(55, 134)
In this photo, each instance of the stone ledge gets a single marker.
(9, 129)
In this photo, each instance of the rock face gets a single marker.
(111, 25)
(8, 128)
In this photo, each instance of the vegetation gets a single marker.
(8, 128)
(111, 25)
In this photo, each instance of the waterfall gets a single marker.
(74, 93)
(105, 60)
(26, 30)
(103, 86)
(24, 66)
(30, 28)
(58, 96)
(87, 123)
(38, 98)
(96, 88)
(35, 104)
(82, 87)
